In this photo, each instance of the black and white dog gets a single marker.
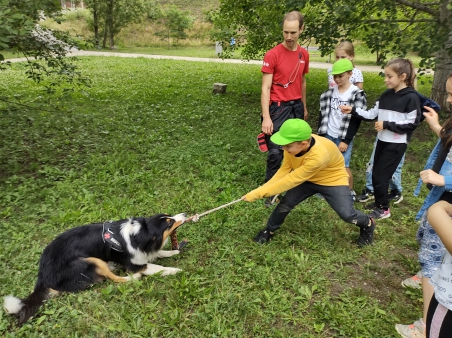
(79, 257)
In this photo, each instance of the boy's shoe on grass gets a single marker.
(263, 236)
(365, 196)
(395, 196)
(414, 282)
(415, 330)
(366, 234)
(271, 201)
(353, 195)
(378, 213)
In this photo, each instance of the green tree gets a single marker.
(45, 50)
(175, 21)
(113, 15)
(386, 26)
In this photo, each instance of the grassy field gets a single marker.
(149, 136)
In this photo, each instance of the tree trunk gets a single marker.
(96, 26)
(444, 63)
(110, 8)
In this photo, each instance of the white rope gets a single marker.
(195, 218)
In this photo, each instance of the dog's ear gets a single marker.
(157, 227)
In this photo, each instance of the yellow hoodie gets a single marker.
(323, 164)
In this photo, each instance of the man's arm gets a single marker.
(303, 96)
(267, 124)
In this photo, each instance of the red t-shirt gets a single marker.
(283, 63)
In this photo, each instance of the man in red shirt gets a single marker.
(283, 87)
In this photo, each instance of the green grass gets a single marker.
(149, 136)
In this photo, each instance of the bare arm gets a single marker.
(267, 124)
(439, 216)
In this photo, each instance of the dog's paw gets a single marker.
(170, 271)
(152, 269)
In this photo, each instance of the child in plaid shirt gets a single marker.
(334, 125)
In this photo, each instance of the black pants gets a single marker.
(279, 114)
(439, 320)
(386, 159)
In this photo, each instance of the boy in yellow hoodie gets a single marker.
(311, 164)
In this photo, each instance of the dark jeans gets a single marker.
(338, 198)
(279, 114)
(386, 159)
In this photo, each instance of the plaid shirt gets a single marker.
(349, 124)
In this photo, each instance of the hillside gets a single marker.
(196, 7)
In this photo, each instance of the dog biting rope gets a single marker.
(195, 218)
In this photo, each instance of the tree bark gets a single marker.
(96, 26)
(444, 60)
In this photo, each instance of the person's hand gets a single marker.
(306, 114)
(432, 118)
(244, 198)
(267, 126)
(343, 147)
(379, 125)
(429, 176)
(345, 109)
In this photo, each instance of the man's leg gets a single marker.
(274, 158)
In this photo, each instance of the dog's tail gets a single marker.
(24, 309)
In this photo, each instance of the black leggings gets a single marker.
(386, 159)
(439, 320)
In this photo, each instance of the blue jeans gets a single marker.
(396, 181)
(338, 197)
(347, 154)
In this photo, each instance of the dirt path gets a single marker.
(320, 65)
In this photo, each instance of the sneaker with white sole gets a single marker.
(378, 213)
(395, 196)
(415, 330)
(365, 196)
(414, 282)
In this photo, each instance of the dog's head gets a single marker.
(155, 230)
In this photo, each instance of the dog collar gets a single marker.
(110, 235)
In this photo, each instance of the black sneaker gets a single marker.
(395, 196)
(263, 236)
(365, 196)
(366, 234)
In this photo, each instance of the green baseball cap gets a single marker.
(342, 66)
(292, 130)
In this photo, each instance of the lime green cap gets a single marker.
(342, 66)
(292, 130)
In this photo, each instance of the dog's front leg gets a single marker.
(152, 269)
(165, 253)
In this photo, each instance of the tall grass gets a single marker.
(149, 136)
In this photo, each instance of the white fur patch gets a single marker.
(128, 229)
(12, 304)
(153, 269)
